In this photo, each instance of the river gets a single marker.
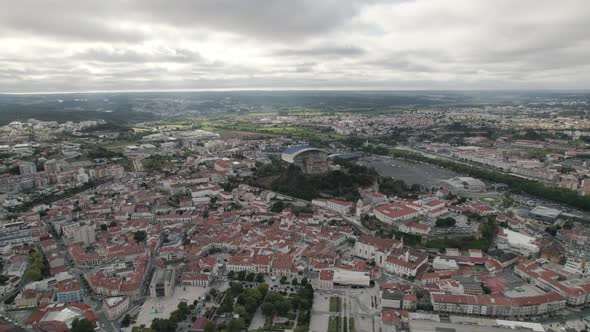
(411, 172)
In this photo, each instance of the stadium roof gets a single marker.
(298, 148)
(545, 212)
(344, 156)
(290, 153)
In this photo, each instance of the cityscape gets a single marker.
(281, 166)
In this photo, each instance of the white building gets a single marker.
(115, 306)
(374, 248)
(440, 263)
(395, 212)
(341, 207)
(405, 262)
(351, 278)
(414, 228)
(517, 242)
(27, 167)
(577, 265)
(79, 233)
(465, 184)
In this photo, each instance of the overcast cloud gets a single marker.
(113, 45)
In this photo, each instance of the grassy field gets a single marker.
(248, 128)
(488, 200)
(291, 131)
(335, 304)
(334, 324)
(118, 146)
(234, 134)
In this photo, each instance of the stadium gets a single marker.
(310, 159)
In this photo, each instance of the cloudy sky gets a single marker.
(108, 45)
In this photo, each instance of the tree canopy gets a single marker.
(82, 325)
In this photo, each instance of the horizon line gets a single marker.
(296, 90)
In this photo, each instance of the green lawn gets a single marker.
(334, 324)
(335, 304)
(118, 146)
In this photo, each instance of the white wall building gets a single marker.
(517, 242)
(440, 263)
(115, 306)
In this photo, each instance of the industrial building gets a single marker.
(545, 213)
(464, 184)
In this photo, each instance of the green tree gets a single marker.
(177, 316)
(304, 281)
(34, 273)
(446, 222)
(210, 327)
(38, 268)
(126, 321)
(163, 325)
(241, 310)
(236, 325)
(252, 295)
(235, 289)
(283, 306)
(263, 289)
(259, 277)
(278, 207)
(183, 307)
(139, 236)
(251, 276)
(82, 325)
(227, 305)
(268, 309)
